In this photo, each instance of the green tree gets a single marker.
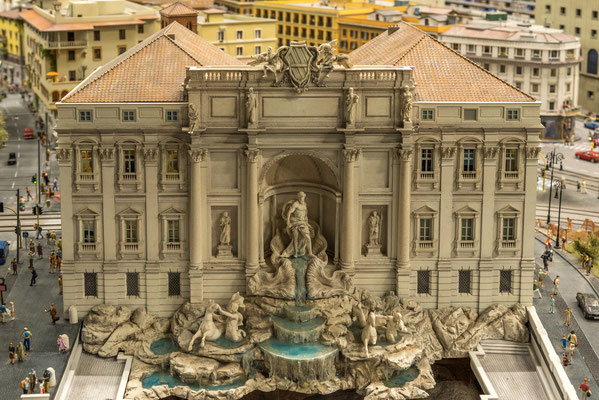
(3, 132)
(589, 247)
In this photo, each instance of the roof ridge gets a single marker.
(183, 47)
(109, 66)
(467, 59)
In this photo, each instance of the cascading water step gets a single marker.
(298, 332)
(299, 313)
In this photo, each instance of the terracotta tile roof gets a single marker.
(195, 4)
(10, 14)
(42, 24)
(37, 21)
(152, 71)
(441, 74)
(178, 9)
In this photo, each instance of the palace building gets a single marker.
(418, 167)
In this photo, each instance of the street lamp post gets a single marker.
(553, 158)
(559, 185)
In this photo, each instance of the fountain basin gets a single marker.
(163, 377)
(299, 313)
(299, 362)
(403, 377)
(164, 346)
(297, 332)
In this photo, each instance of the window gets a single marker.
(518, 70)
(467, 229)
(552, 105)
(72, 76)
(592, 62)
(131, 231)
(220, 36)
(464, 281)
(426, 160)
(469, 160)
(425, 229)
(568, 86)
(172, 115)
(121, 49)
(578, 12)
(133, 281)
(471, 48)
(172, 161)
(257, 33)
(129, 161)
(505, 281)
(594, 33)
(428, 114)
(470, 114)
(518, 85)
(537, 54)
(128, 115)
(577, 30)
(487, 50)
(239, 35)
(97, 53)
(503, 52)
(551, 88)
(486, 66)
(535, 71)
(257, 49)
(88, 227)
(595, 15)
(85, 116)
(239, 50)
(553, 72)
(122, 34)
(140, 28)
(547, 8)
(96, 36)
(554, 55)
(502, 69)
(519, 53)
(71, 55)
(513, 115)
(424, 282)
(569, 71)
(90, 280)
(511, 160)
(508, 229)
(534, 88)
(172, 230)
(70, 36)
(455, 46)
(87, 161)
(174, 284)
(590, 95)
(562, 10)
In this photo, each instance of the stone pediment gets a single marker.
(129, 212)
(424, 210)
(87, 212)
(172, 211)
(509, 209)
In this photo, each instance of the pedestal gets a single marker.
(224, 251)
(373, 250)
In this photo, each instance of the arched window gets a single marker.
(592, 62)
(63, 93)
(55, 96)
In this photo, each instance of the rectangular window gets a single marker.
(569, 71)
(172, 115)
(508, 231)
(140, 28)
(455, 46)
(554, 54)
(505, 281)
(552, 105)
(470, 114)
(518, 85)
(467, 231)
(121, 49)
(71, 36)
(553, 72)
(503, 51)
(85, 116)
(122, 34)
(487, 50)
(464, 281)
(471, 48)
(172, 231)
(89, 230)
(424, 282)
(562, 10)
(258, 34)
(595, 14)
(502, 69)
(133, 282)
(172, 161)
(578, 12)
(257, 49)
(174, 284)
(428, 114)
(518, 70)
(486, 66)
(535, 71)
(131, 231)
(511, 160)
(97, 53)
(71, 55)
(426, 229)
(469, 160)
(129, 161)
(568, 86)
(577, 30)
(90, 284)
(220, 36)
(547, 8)
(426, 160)
(87, 161)
(513, 115)
(239, 51)
(534, 88)
(594, 33)
(72, 75)
(551, 88)
(537, 54)
(96, 36)
(239, 35)
(519, 53)
(128, 115)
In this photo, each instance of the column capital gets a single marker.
(251, 155)
(106, 154)
(198, 155)
(404, 154)
(351, 155)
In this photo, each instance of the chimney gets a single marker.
(392, 29)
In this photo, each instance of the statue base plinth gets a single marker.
(224, 251)
(373, 250)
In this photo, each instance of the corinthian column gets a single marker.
(196, 244)
(349, 219)
(403, 223)
(252, 224)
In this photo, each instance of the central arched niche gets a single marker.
(283, 177)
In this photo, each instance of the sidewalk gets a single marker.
(586, 361)
(30, 303)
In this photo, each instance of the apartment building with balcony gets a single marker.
(541, 62)
(65, 43)
(524, 8)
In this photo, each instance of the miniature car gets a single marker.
(589, 304)
(589, 155)
(28, 133)
(590, 124)
(12, 158)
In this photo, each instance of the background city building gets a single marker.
(581, 19)
(542, 62)
(11, 47)
(513, 7)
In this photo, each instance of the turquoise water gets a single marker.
(163, 377)
(164, 346)
(403, 377)
(300, 264)
(298, 326)
(304, 351)
(225, 343)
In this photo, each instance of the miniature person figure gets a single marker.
(225, 233)
(572, 348)
(369, 334)
(298, 227)
(53, 313)
(565, 360)
(251, 102)
(585, 390)
(194, 118)
(40, 250)
(564, 342)
(535, 289)
(25, 385)
(59, 244)
(374, 226)
(14, 266)
(33, 276)
(20, 352)
(234, 318)
(583, 186)
(46, 380)
(568, 316)
(351, 101)
(29, 197)
(552, 305)
(60, 283)
(32, 380)
(556, 285)
(52, 261)
(538, 224)
(38, 232)
(11, 310)
(63, 343)
(58, 262)
(541, 277)
(572, 338)
(55, 185)
(31, 254)
(11, 353)
(27, 339)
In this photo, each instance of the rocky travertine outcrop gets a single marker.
(100, 323)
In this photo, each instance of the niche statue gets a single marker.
(295, 214)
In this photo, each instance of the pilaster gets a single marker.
(252, 224)
(65, 165)
(110, 233)
(445, 286)
(403, 224)
(349, 219)
(151, 182)
(446, 221)
(487, 232)
(487, 288)
(196, 204)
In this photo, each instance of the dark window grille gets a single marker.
(464, 281)
(505, 281)
(91, 284)
(132, 284)
(174, 284)
(424, 282)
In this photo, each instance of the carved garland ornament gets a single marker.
(533, 152)
(63, 154)
(198, 155)
(106, 153)
(150, 154)
(448, 152)
(490, 152)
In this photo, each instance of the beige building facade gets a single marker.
(148, 176)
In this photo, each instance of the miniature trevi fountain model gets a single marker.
(302, 327)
